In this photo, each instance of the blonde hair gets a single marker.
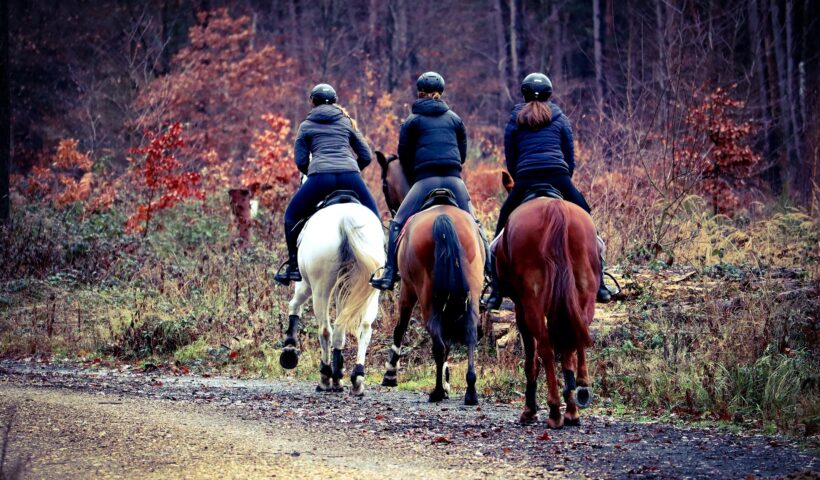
(347, 114)
(534, 115)
(433, 95)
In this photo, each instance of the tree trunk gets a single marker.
(772, 174)
(783, 96)
(599, 55)
(660, 37)
(515, 39)
(398, 42)
(796, 162)
(556, 26)
(5, 115)
(504, 98)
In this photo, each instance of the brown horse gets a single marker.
(548, 263)
(441, 264)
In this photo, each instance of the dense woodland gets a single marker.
(696, 129)
(629, 74)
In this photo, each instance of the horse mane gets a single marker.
(565, 320)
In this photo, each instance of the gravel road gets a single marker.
(69, 422)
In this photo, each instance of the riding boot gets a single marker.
(389, 274)
(488, 269)
(291, 273)
(496, 296)
(604, 295)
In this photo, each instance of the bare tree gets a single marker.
(5, 115)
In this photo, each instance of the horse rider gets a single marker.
(432, 149)
(539, 150)
(331, 151)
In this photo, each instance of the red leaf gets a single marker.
(545, 437)
(233, 354)
(438, 440)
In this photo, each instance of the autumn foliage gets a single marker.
(159, 178)
(269, 168)
(728, 163)
(219, 87)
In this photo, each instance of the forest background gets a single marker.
(126, 124)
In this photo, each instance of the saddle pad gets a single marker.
(542, 190)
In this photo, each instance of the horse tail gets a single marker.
(565, 320)
(451, 291)
(357, 259)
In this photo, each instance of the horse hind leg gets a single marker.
(320, 308)
(440, 354)
(568, 365)
(532, 368)
(547, 354)
(470, 395)
(289, 358)
(583, 394)
(338, 359)
(363, 335)
(407, 301)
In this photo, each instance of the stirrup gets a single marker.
(380, 283)
(288, 275)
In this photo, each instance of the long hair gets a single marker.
(347, 114)
(534, 115)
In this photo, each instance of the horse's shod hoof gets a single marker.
(471, 398)
(572, 422)
(289, 358)
(323, 389)
(583, 397)
(437, 396)
(390, 382)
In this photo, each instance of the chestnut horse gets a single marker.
(548, 264)
(441, 264)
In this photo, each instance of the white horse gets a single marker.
(339, 248)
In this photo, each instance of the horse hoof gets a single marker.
(555, 424)
(289, 358)
(390, 381)
(527, 417)
(583, 397)
(437, 396)
(572, 422)
(471, 399)
(323, 389)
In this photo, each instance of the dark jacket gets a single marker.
(539, 153)
(326, 143)
(432, 142)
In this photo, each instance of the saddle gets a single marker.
(439, 196)
(337, 197)
(542, 190)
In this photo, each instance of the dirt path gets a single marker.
(98, 424)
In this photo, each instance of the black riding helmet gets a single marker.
(430, 82)
(536, 86)
(323, 93)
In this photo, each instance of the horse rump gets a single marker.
(565, 320)
(451, 290)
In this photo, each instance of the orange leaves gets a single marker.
(159, 179)
(67, 180)
(270, 167)
(68, 158)
(727, 163)
(220, 85)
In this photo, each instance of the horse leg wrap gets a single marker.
(325, 369)
(569, 383)
(293, 330)
(358, 371)
(338, 364)
(393, 357)
(391, 367)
